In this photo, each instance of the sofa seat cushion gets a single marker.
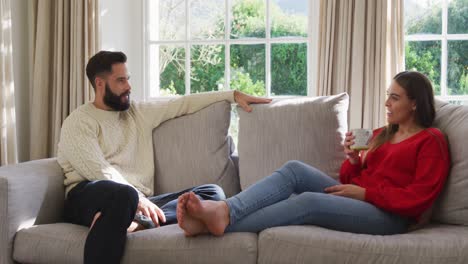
(310, 244)
(51, 243)
(64, 243)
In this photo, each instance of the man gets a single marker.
(106, 153)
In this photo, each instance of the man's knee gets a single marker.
(127, 195)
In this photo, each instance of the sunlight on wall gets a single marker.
(7, 104)
(6, 23)
(26, 224)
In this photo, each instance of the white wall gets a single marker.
(121, 30)
(19, 10)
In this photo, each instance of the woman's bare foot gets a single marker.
(190, 225)
(214, 214)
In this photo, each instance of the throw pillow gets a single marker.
(195, 149)
(309, 129)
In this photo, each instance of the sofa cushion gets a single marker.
(309, 244)
(195, 149)
(52, 243)
(308, 129)
(452, 205)
(64, 243)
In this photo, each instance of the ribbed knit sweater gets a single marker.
(404, 178)
(117, 145)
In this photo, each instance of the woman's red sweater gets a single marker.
(403, 178)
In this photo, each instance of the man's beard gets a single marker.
(114, 101)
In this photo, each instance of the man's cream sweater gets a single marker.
(110, 145)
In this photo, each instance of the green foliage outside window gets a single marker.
(425, 56)
(247, 61)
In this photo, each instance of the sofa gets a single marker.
(196, 149)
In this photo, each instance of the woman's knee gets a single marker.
(295, 169)
(301, 169)
(295, 165)
(211, 192)
(311, 197)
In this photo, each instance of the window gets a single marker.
(436, 44)
(261, 47)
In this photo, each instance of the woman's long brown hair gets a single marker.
(418, 88)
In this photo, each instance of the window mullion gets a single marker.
(443, 73)
(144, 61)
(227, 46)
(312, 47)
(187, 47)
(268, 50)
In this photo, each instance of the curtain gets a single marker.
(64, 36)
(360, 50)
(8, 147)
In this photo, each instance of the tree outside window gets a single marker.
(437, 45)
(259, 47)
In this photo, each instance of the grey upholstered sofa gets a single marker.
(195, 149)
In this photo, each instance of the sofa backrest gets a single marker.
(309, 129)
(195, 149)
(452, 205)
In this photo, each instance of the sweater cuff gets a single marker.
(352, 169)
(228, 95)
(370, 195)
(140, 193)
(355, 168)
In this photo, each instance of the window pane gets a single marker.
(167, 19)
(289, 18)
(207, 68)
(248, 69)
(424, 56)
(171, 70)
(289, 69)
(234, 126)
(457, 72)
(423, 17)
(248, 19)
(207, 19)
(457, 17)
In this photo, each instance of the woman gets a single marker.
(382, 191)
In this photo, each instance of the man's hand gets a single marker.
(243, 100)
(149, 209)
(347, 190)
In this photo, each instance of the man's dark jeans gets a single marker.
(118, 204)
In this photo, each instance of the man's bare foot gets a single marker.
(134, 227)
(214, 214)
(190, 225)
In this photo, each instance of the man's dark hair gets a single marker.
(102, 62)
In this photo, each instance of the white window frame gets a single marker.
(443, 38)
(311, 40)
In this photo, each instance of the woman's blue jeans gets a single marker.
(270, 202)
